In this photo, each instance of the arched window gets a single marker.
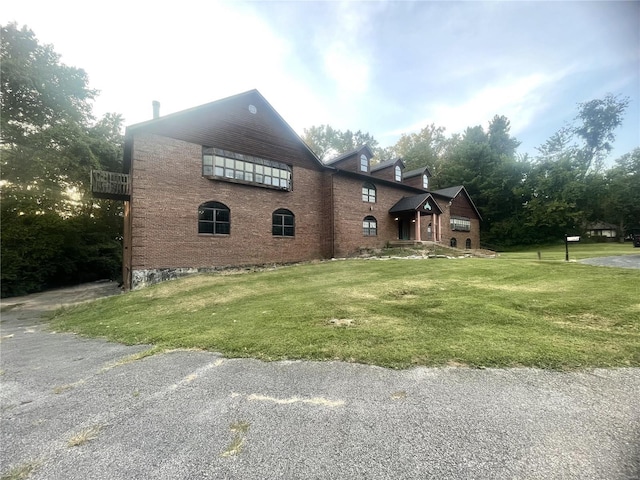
(467, 244)
(453, 243)
(214, 218)
(369, 193)
(425, 181)
(369, 226)
(283, 223)
(398, 172)
(364, 163)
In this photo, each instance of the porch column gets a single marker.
(418, 226)
(439, 229)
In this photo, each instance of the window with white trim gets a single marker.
(364, 163)
(369, 193)
(398, 173)
(425, 181)
(369, 226)
(460, 224)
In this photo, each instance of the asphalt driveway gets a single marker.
(78, 408)
(622, 261)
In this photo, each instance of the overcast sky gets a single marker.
(386, 68)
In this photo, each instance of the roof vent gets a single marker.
(156, 109)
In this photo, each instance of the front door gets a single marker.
(403, 230)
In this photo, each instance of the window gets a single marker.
(369, 226)
(226, 165)
(425, 181)
(453, 243)
(364, 163)
(460, 224)
(283, 223)
(214, 218)
(467, 244)
(398, 173)
(369, 193)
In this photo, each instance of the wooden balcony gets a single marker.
(111, 185)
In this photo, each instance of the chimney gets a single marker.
(156, 109)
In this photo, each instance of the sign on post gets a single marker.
(567, 239)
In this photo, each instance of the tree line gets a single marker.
(523, 200)
(54, 233)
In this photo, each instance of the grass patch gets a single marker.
(63, 388)
(134, 358)
(235, 447)
(509, 311)
(21, 472)
(577, 251)
(85, 436)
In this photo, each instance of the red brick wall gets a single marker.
(350, 210)
(351, 164)
(415, 181)
(168, 188)
(460, 207)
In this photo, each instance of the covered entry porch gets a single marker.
(417, 218)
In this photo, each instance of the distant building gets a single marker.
(602, 229)
(230, 183)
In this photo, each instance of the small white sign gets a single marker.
(573, 239)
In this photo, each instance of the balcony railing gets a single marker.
(116, 186)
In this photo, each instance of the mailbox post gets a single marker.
(568, 239)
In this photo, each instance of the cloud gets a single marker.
(519, 99)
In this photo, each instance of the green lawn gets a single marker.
(509, 311)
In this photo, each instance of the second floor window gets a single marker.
(369, 193)
(398, 173)
(425, 181)
(231, 166)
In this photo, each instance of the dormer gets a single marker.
(357, 161)
(389, 170)
(418, 178)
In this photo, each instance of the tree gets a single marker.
(565, 188)
(327, 142)
(598, 120)
(622, 205)
(50, 223)
(422, 149)
(487, 165)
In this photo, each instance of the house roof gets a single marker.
(365, 177)
(386, 164)
(416, 172)
(200, 125)
(601, 226)
(413, 203)
(349, 154)
(452, 192)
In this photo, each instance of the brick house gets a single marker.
(230, 183)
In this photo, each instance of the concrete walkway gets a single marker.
(78, 408)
